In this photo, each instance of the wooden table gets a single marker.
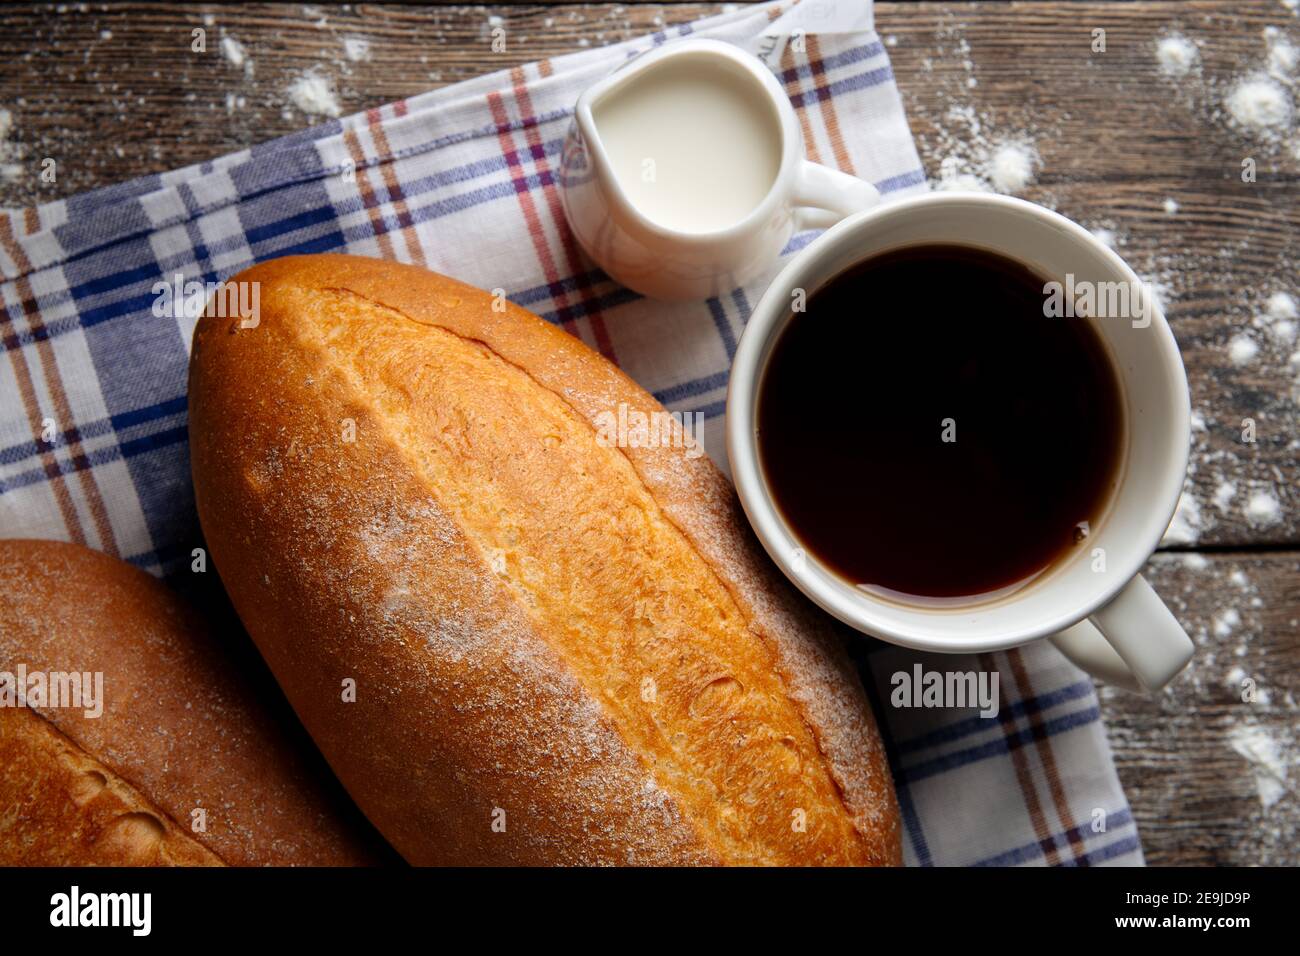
(112, 93)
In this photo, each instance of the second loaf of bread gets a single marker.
(563, 651)
(182, 760)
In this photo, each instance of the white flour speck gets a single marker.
(233, 51)
(1011, 167)
(1282, 305)
(10, 171)
(1185, 526)
(1159, 292)
(1242, 350)
(356, 49)
(1224, 494)
(962, 183)
(1282, 54)
(1177, 55)
(1226, 622)
(1262, 509)
(1259, 105)
(313, 93)
(1171, 207)
(1257, 745)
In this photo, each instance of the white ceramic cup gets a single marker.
(1110, 622)
(675, 264)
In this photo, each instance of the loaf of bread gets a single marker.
(516, 637)
(127, 738)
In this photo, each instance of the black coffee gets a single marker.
(929, 433)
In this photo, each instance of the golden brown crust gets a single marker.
(404, 487)
(180, 729)
(62, 807)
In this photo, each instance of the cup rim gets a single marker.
(792, 146)
(859, 609)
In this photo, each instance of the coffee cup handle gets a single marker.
(1133, 642)
(823, 196)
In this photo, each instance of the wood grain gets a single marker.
(116, 93)
(1195, 797)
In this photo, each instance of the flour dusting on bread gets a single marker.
(563, 651)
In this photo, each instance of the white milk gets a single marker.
(695, 145)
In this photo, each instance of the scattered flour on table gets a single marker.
(1236, 679)
(233, 51)
(1185, 526)
(1282, 305)
(1226, 622)
(977, 151)
(1260, 105)
(1105, 236)
(1263, 510)
(1256, 100)
(10, 170)
(977, 162)
(1242, 349)
(1258, 746)
(955, 181)
(1279, 318)
(1177, 55)
(1282, 54)
(356, 49)
(313, 93)
(1224, 494)
(1011, 168)
(1161, 290)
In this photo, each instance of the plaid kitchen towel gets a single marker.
(463, 180)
